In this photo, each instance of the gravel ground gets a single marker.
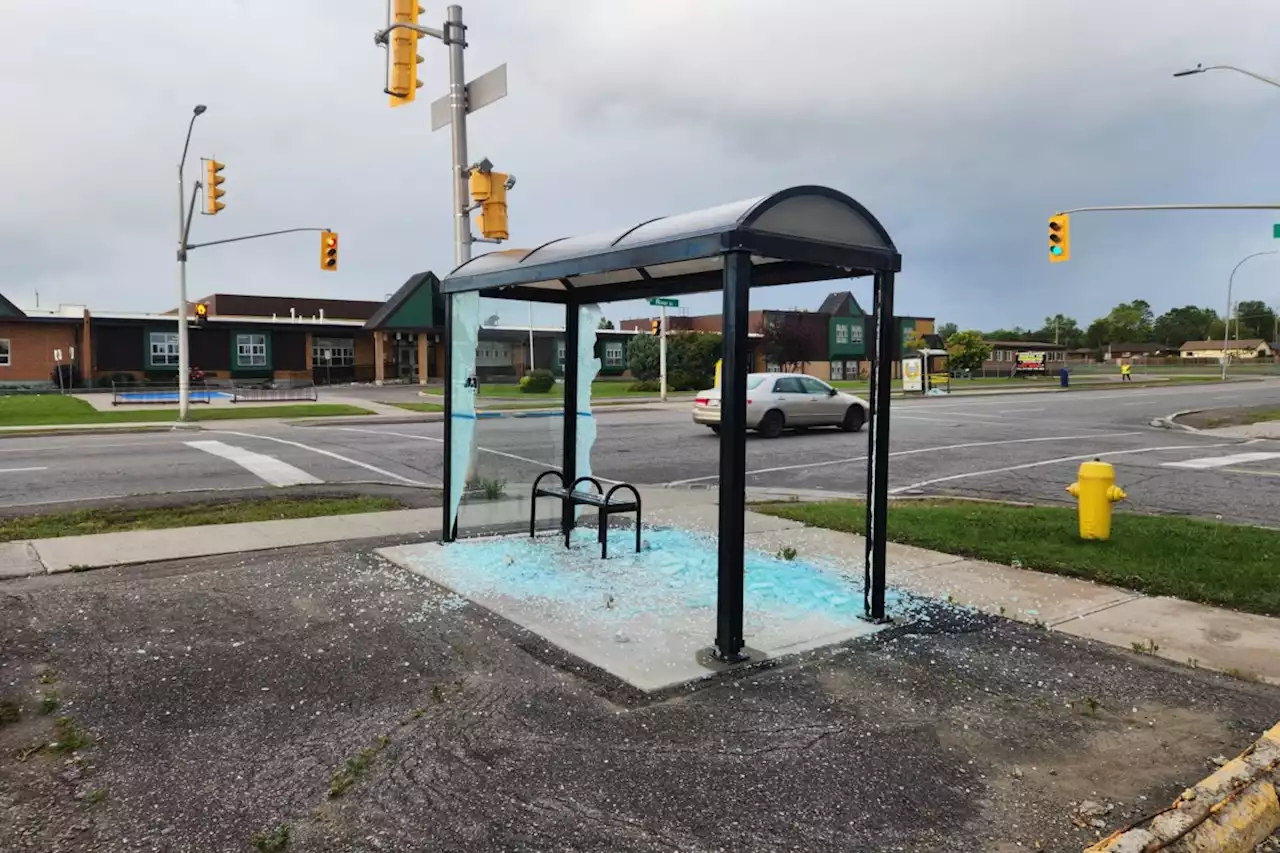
(320, 699)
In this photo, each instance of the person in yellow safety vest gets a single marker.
(1124, 372)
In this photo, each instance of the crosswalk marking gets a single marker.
(1206, 462)
(270, 469)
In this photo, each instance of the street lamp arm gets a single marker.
(1246, 72)
(1226, 319)
(380, 37)
(185, 145)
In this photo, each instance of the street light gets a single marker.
(1200, 69)
(184, 356)
(1226, 328)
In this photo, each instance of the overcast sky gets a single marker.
(962, 124)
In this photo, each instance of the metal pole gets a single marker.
(569, 429)
(733, 457)
(1199, 69)
(878, 449)
(184, 358)
(662, 352)
(531, 367)
(455, 37)
(1226, 320)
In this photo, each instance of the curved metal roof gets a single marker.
(805, 233)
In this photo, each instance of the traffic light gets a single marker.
(329, 251)
(212, 186)
(655, 326)
(1059, 238)
(202, 314)
(489, 190)
(404, 83)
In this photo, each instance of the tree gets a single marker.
(785, 342)
(643, 357)
(1254, 320)
(946, 330)
(1061, 329)
(1176, 326)
(1098, 334)
(1017, 333)
(691, 360)
(968, 350)
(1130, 322)
(605, 323)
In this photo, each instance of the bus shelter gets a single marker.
(805, 233)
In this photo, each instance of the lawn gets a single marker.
(83, 522)
(57, 410)
(1214, 563)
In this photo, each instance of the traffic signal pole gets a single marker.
(662, 352)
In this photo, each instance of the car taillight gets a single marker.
(748, 401)
(699, 401)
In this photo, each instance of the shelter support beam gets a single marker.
(569, 449)
(449, 528)
(733, 457)
(887, 345)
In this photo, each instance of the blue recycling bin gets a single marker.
(1064, 378)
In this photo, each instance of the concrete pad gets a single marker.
(1209, 636)
(145, 546)
(645, 618)
(1017, 593)
(19, 559)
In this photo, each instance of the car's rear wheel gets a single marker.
(715, 429)
(771, 424)
(854, 418)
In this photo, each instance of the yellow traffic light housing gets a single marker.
(403, 82)
(329, 251)
(493, 205)
(212, 186)
(1059, 238)
(202, 314)
(655, 326)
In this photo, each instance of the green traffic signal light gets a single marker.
(1055, 250)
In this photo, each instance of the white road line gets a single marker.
(912, 453)
(365, 465)
(1081, 458)
(19, 470)
(268, 468)
(501, 453)
(1207, 462)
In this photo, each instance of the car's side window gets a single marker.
(813, 386)
(787, 385)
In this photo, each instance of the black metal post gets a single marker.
(878, 447)
(733, 456)
(449, 530)
(570, 432)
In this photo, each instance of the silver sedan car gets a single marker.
(778, 401)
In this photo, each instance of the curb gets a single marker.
(45, 432)
(1171, 421)
(1231, 811)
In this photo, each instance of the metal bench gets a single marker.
(607, 503)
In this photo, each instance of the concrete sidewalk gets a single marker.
(1244, 644)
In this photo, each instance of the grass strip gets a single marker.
(1210, 562)
(58, 410)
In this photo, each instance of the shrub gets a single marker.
(643, 357)
(647, 385)
(679, 380)
(65, 376)
(538, 381)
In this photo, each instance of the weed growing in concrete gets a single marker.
(1242, 674)
(493, 489)
(1194, 663)
(9, 712)
(787, 553)
(1150, 647)
(355, 768)
(272, 841)
(70, 736)
(1092, 705)
(48, 677)
(49, 702)
(97, 795)
(1040, 625)
(415, 714)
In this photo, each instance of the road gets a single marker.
(1020, 447)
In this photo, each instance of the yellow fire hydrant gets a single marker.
(1096, 489)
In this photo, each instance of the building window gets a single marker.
(560, 352)
(4, 353)
(842, 333)
(251, 350)
(164, 349)
(855, 333)
(613, 354)
(837, 368)
(333, 352)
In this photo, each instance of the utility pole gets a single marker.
(184, 350)
(662, 351)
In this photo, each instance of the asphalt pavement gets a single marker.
(1018, 447)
